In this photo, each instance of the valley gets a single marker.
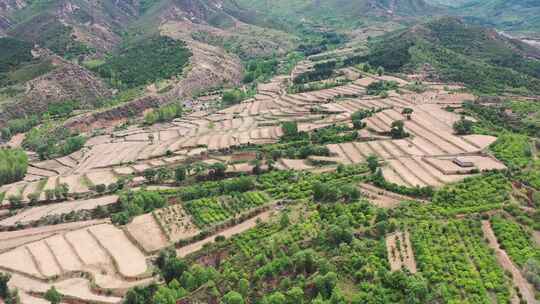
(246, 151)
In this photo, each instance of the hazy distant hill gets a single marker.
(509, 15)
(479, 57)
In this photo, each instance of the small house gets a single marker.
(463, 162)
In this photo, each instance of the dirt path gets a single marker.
(536, 237)
(504, 260)
(186, 250)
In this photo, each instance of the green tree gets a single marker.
(295, 295)
(324, 193)
(290, 129)
(275, 298)
(373, 163)
(407, 112)
(164, 295)
(358, 117)
(397, 130)
(188, 281)
(53, 296)
(325, 284)
(233, 297)
(149, 175)
(463, 126)
(380, 71)
(163, 174)
(217, 170)
(243, 287)
(366, 67)
(179, 174)
(173, 269)
(100, 188)
(4, 289)
(284, 221)
(349, 193)
(15, 201)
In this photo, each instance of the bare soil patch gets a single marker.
(175, 222)
(400, 254)
(146, 231)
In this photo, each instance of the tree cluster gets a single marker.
(13, 165)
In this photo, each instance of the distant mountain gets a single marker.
(483, 59)
(340, 13)
(509, 15)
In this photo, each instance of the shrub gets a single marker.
(15, 201)
(397, 130)
(233, 297)
(376, 88)
(53, 296)
(101, 188)
(137, 203)
(463, 126)
(290, 129)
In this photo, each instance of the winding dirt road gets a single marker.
(524, 287)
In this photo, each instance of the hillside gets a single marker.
(333, 13)
(519, 16)
(269, 152)
(460, 52)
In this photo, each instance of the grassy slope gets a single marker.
(335, 13)
(476, 56)
(508, 15)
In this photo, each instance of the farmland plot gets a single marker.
(12, 239)
(208, 211)
(175, 223)
(452, 253)
(100, 250)
(400, 254)
(36, 213)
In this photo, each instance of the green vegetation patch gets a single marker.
(13, 53)
(237, 95)
(49, 140)
(458, 263)
(137, 203)
(52, 34)
(458, 52)
(17, 64)
(260, 70)
(13, 165)
(474, 194)
(146, 61)
(515, 240)
(164, 114)
(208, 211)
(19, 125)
(513, 149)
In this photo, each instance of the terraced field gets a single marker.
(71, 256)
(100, 251)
